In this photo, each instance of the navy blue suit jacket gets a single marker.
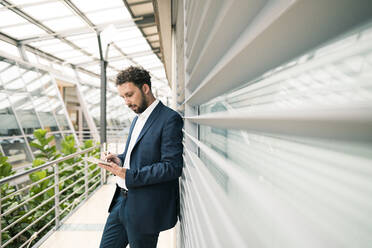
(155, 165)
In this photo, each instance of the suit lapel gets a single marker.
(130, 135)
(153, 116)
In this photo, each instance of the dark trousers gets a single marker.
(118, 234)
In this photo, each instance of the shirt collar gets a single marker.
(145, 114)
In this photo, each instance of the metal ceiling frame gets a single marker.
(148, 20)
(78, 31)
(141, 22)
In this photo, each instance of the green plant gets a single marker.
(48, 152)
(70, 171)
(8, 203)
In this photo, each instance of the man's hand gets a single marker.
(114, 169)
(114, 166)
(109, 157)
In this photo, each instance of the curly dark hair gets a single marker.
(136, 75)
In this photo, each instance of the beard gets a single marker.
(142, 106)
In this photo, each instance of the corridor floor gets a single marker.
(84, 228)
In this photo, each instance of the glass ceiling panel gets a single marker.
(121, 64)
(50, 91)
(20, 100)
(89, 80)
(54, 102)
(52, 47)
(83, 37)
(42, 104)
(9, 18)
(131, 42)
(95, 68)
(23, 31)
(151, 65)
(159, 73)
(15, 85)
(48, 10)
(30, 76)
(48, 42)
(21, 2)
(9, 48)
(69, 54)
(128, 33)
(59, 17)
(88, 42)
(87, 6)
(84, 88)
(136, 49)
(10, 74)
(110, 15)
(4, 103)
(93, 51)
(78, 60)
(111, 73)
(4, 66)
(113, 53)
(65, 23)
(152, 58)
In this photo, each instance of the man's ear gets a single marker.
(145, 88)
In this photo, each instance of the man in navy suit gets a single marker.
(146, 200)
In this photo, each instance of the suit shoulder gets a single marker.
(171, 113)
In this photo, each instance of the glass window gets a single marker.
(50, 89)
(61, 118)
(16, 151)
(8, 124)
(48, 120)
(11, 79)
(26, 112)
(33, 83)
(45, 113)
(57, 140)
(37, 84)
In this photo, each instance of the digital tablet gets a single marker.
(96, 160)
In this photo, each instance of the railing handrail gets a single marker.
(47, 164)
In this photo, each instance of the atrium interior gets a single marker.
(276, 98)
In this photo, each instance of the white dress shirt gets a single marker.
(141, 120)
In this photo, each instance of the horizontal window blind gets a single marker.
(277, 102)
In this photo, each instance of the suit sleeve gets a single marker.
(121, 157)
(171, 163)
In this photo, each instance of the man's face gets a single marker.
(133, 96)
